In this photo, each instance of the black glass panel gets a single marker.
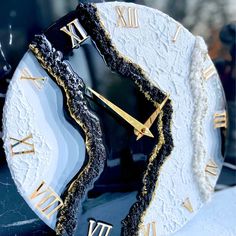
(115, 190)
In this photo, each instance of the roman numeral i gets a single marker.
(76, 32)
(22, 146)
(49, 202)
(100, 229)
(127, 17)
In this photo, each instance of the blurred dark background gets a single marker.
(214, 20)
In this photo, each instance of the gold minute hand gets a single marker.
(153, 117)
(128, 118)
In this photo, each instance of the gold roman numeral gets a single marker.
(19, 145)
(146, 230)
(127, 17)
(179, 27)
(49, 202)
(76, 32)
(220, 120)
(209, 72)
(38, 81)
(98, 228)
(211, 168)
(187, 204)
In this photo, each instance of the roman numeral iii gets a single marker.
(220, 120)
(48, 201)
(76, 32)
(22, 146)
(127, 17)
(98, 228)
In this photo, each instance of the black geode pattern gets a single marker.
(73, 87)
(88, 17)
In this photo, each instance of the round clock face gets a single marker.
(113, 123)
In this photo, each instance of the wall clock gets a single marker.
(113, 123)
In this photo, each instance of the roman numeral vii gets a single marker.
(98, 228)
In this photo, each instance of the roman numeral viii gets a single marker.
(98, 229)
(76, 32)
(49, 202)
(127, 17)
(22, 146)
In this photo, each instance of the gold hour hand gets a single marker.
(152, 118)
(142, 129)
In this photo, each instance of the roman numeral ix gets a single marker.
(49, 202)
(98, 228)
(127, 17)
(22, 146)
(76, 32)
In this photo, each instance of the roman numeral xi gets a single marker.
(76, 32)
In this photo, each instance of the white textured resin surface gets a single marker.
(216, 218)
(59, 147)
